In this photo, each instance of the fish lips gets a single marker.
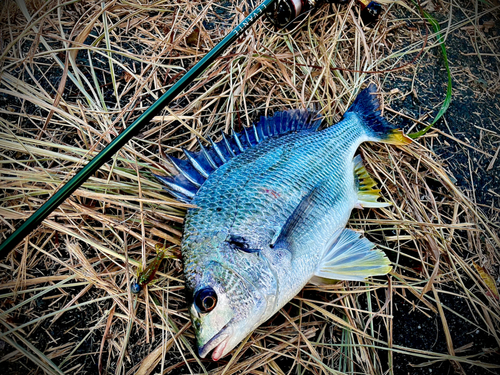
(218, 343)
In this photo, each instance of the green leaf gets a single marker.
(447, 100)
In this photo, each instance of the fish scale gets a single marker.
(271, 207)
(287, 179)
(237, 199)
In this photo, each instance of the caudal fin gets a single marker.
(366, 107)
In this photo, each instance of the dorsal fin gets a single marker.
(192, 172)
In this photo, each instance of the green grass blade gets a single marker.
(447, 100)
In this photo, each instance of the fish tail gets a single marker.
(365, 106)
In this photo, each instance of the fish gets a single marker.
(268, 214)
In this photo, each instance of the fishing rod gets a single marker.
(284, 12)
(127, 134)
(280, 12)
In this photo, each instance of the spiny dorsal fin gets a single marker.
(192, 172)
(349, 257)
(367, 195)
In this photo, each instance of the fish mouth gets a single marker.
(218, 343)
(219, 350)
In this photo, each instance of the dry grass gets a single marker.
(74, 74)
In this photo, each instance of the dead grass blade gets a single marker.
(74, 74)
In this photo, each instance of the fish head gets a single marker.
(225, 308)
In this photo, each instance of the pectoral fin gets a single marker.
(350, 257)
(297, 216)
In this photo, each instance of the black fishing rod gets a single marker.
(280, 12)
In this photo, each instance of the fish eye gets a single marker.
(205, 299)
(239, 243)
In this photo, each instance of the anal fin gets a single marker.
(350, 257)
(367, 195)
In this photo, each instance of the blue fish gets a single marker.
(272, 203)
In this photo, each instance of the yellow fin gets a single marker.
(367, 195)
(349, 257)
(396, 137)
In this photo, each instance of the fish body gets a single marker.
(270, 217)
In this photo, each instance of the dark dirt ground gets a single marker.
(473, 118)
(470, 142)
